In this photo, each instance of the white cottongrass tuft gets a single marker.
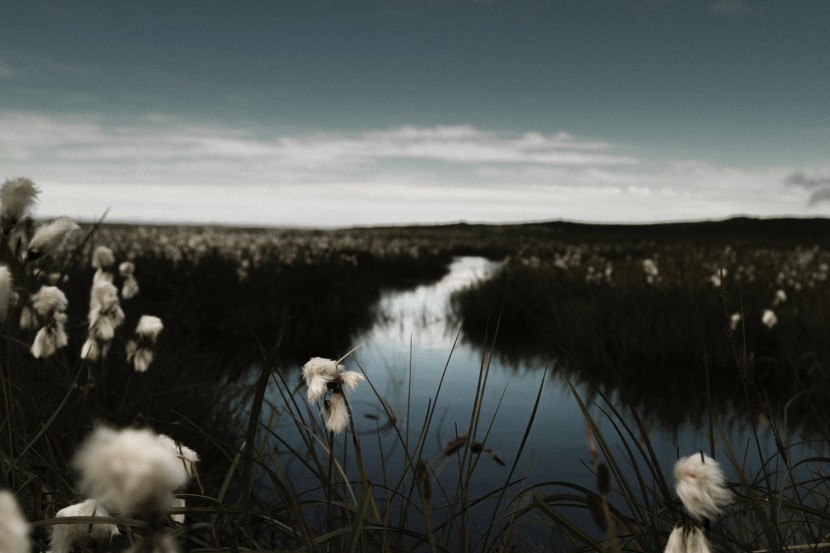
(701, 486)
(50, 238)
(17, 197)
(50, 338)
(780, 297)
(321, 375)
(650, 270)
(336, 413)
(129, 471)
(27, 318)
(102, 260)
(140, 347)
(687, 539)
(50, 305)
(769, 318)
(6, 291)
(129, 288)
(734, 320)
(48, 300)
(14, 528)
(105, 315)
(187, 457)
(65, 535)
(178, 503)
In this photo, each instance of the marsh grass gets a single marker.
(272, 478)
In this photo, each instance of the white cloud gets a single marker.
(164, 169)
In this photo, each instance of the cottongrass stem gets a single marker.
(140, 347)
(14, 528)
(64, 536)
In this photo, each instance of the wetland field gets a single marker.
(527, 387)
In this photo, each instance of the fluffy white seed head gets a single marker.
(650, 268)
(129, 289)
(317, 373)
(48, 300)
(91, 351)
(735, 320)
(104, 295)
(149, 326)
(127, 268)
(336, 413)
(14, 528)
(769, 318)
(102, 258)
(687, 540)
(6, 291)
(129, 471)
(65, 535)
(50, 238)
(178, 503)
(27, 318)
(50, 338)
(701, 486)
(351, 379)
(142, 358)
(17, 197)
(186, 456)
(780, 297)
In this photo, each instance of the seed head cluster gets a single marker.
(322, 375)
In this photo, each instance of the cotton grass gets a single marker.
(322, 375)
(701, 486)
(140, 347)
(17, 197)
(130, 471)
(50, 238)
(50, 304)
(14, 528)
(105, 315)
(64, 536)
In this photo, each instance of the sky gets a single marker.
(333, 113)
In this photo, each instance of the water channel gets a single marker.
(415, 340)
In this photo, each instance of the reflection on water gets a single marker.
(422, 313)
(405, 355)
(415, 332)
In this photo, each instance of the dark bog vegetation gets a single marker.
(679, 308)
(241, 305)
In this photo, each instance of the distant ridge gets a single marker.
(736, 230)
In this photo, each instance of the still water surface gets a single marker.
(404, 356)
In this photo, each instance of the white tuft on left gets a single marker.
(14, 528)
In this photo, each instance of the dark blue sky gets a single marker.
(685, 103)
